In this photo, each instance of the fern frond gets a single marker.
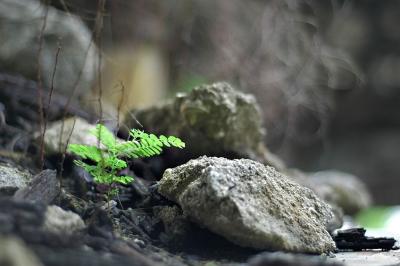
(109, 159)
(104, 135)
(176, 142)
(95, 171)
(124, 179)
(86, 151)
(114, 163)
(146, 145)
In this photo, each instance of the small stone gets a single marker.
(14, 252)
(250, 204)
(12, 179)
(62, 222)
(139, 242)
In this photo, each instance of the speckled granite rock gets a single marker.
(213, 120)
(12, 179)
(250, 204)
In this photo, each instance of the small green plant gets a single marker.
(110, 155)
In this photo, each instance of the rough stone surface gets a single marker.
(250, 204)
(20, 27)
(62, 222)
(12, 179)
(368, 258)
(14, 252)
(343, 189)
(44, 187)
(213, 120)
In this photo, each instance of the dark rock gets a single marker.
(355, 239)
(177, 227)
(44, 187)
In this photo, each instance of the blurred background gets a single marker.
(325, 73)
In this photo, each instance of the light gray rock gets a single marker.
(213, 120)
(76, 130)
(343, 189)
(290, 259)
(14, 252)
(62, 222)
(337, 188)
(250, 204)
(12, 179)
(20, 26)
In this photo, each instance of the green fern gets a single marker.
(110, 155)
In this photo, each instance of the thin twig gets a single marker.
(120, 102)
(65, 151)
(40, 84)
(99, 26)
(45, 115)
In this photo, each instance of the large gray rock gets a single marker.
(343, 189)
(250, 204)
(337, 188)
(12, 179)
(20, 27)
(213, 120)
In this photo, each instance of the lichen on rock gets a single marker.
(250, 204)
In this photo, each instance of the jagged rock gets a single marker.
(14, 252)
(62, 222)
(213, 120)
(343, 189)
(250, 204)
(21, 25)
(12, 179)
(44, 187)
(76, 130)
